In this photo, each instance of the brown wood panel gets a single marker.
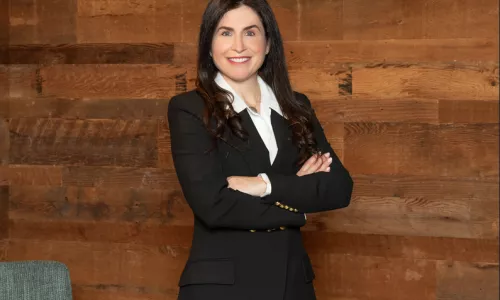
(24, 81)
(118, 53)
(129, 22)
(318, 83)
(387, 19)
(451, 111)
(287, 15)
(112, 81)
(120, 292)
(447, 82)
(4, 175)
(141, 206)
(4, 141)
(401, 19)
(467, 280)
(108, 264)
(321, 20)
(4, 22)
(192, 11)
(461, 19)
(74, 108)
(83, 142)
(3, 249)
(33, 175)
(345, 276)
(4, 212)
(33, 21)
(399, 246)
(416, 206)
(448, 150)
(378, 110)
(84, 176)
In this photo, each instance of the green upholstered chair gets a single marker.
(34, 280)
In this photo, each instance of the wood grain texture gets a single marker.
(129, 21)
(470, 111)
(4, 213)
(447, 82)
(83, 142)
(465, 280)
(459, 150)
(338, 277)
(47, 54)
(321, 20)
(108, 264)
(416, 206)
(4, 141)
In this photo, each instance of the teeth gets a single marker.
(239, 60)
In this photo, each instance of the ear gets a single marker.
(268, 47)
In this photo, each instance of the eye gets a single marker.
(226, 33)
(250, 33)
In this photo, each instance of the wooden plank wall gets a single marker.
(407, 91)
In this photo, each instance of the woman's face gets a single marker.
(239, 45)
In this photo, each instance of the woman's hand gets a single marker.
(254, 186)
(316, 163)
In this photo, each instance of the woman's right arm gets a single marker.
(205, 186)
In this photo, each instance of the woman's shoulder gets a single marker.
(190, 101)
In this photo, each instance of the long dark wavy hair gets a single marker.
(273, 71)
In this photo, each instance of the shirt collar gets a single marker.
(267, 95)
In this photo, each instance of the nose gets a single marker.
(238, 44)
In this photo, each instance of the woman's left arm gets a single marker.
(321, 191)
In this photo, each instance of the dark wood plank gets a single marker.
(3, 249)
(437, 82)
(56, 21)
(467, 280)
(4, 212)
(118, 53)
(416, 206)
(140, 206)
(83, 142)
(76, 108)
(449, 150)
(192, 11)
(398, 246)
(4, 141)
(345, 276)
(108, 264)
(147, 21)
(320, 20)
(451, 111)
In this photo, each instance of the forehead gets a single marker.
(240, 17)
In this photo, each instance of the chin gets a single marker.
(239, 76)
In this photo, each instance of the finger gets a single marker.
(327, 161)
(315, 167)
(308, 164)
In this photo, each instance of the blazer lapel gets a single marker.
(282, 133)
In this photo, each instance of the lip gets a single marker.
(239, 63)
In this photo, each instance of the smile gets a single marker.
(239, 60)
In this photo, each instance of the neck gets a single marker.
(249, 90)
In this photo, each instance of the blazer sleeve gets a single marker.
(204, 184)
(316, 192)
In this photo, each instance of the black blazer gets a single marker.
(247, 247)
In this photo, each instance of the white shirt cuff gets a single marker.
(268, 184)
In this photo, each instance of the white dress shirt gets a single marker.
(262, 121)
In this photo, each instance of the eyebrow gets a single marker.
(232, 29)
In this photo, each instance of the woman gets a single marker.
(248, 154)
